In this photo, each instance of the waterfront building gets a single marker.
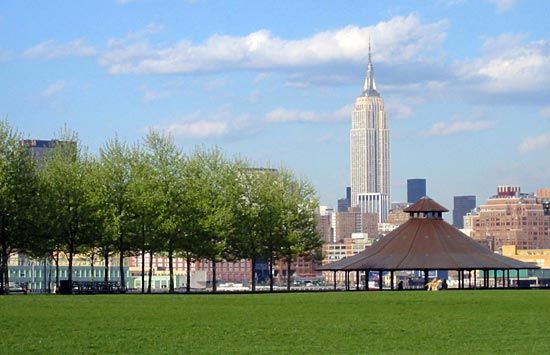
(511, 218)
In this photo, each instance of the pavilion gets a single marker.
(427, 243)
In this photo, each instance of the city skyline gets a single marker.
(465, 83)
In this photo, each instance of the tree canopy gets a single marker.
(149, 198)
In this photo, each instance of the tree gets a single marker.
(167, 178)
(211, 183)
(144, 199)
(18, 192)
(64, 176)
(297, 226)
(114, 158)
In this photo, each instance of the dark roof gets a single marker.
(426, 243)
(425, 204)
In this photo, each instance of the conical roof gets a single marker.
(426, 244)
(425, 204)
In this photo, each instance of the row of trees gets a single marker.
(148, 198)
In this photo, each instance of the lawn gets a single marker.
(335, 323)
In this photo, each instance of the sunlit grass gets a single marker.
(354, 322)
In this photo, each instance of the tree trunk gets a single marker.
(150, 271)
(143, 271)
(143, 258)
(121, 263)
(49, 283)
(93, 276)
(253, 274)
(214, 287)
(56, 258)
(70, 271)
(106, 273)
(4, 276)
(270, 269)
(288, 265)
(188, 273)
(1, 272)
(171, 269)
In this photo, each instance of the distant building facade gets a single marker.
(345, 203)
(376, 203)
(416, 189)
(511, 218)
(462, 205)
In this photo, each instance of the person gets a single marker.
(400, 285)
(444, 284)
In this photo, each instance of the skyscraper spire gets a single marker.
(369, 89)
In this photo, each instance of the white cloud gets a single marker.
(286, 115)
(455, 127)
(535, 143)
(197, 129)
(545, 112)
(503, 5)
(219, 124)
(508, 66)
(54, 89)
(402, 38)
(53, 49)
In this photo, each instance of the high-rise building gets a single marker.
(345, 203)
(462, 205)
(376, 203)
(416, 189)
(369, 142)
(510, 218)
(355, 221)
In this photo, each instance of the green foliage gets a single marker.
(458, 322)
(149, 198)
(64, 178)
(18, 196)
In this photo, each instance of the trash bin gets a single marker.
(65, 287)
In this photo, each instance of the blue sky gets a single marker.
(466, 83)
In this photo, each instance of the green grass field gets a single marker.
(335, 323)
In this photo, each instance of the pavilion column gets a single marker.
(469, 278)
(346, 280)
(391, 275)
(334, 273)
(380, 280)
(517, 277)
(357, 280)
(425, 277)
(496, 279)
(367, 272)
(475, 278)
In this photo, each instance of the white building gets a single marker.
(370, 145)
(375, 202)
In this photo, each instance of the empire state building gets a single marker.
(370, 150)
